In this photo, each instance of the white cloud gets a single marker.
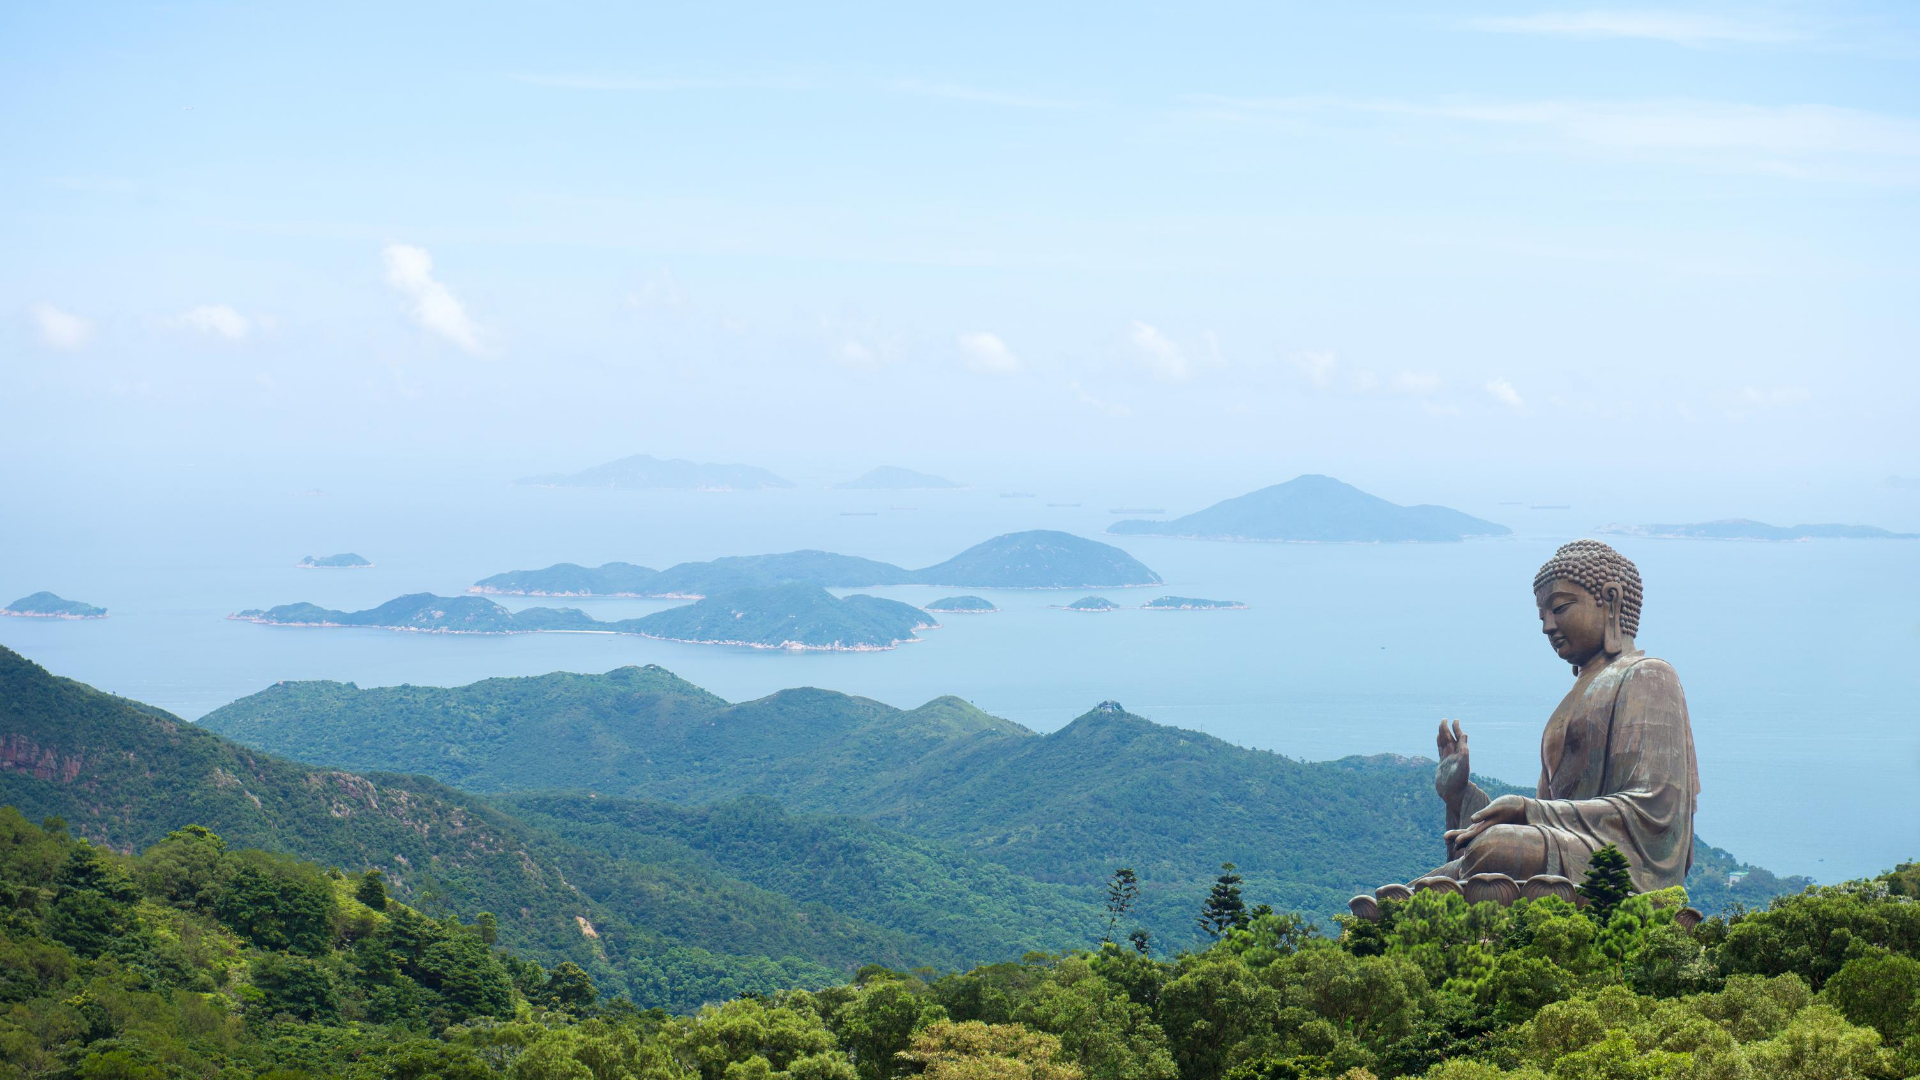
(218, 320)
(435, 308)
(61, 329)
(1503, 392)
(1110, 408)
(1162, 357)
(988, 354)
(1417, 383)
(1317, 368)
(1675, 27)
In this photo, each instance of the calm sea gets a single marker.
(1797, 658)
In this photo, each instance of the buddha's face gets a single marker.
(1574, 620)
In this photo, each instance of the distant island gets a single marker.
(792, 616)
(1316, 509)
(1188, 603)
(571, 579)
(344, 561)
(1039, 559)
(1091, 603)
(893, 478)
(1745, 529)
(45, 605)
(961, 605)
(643, 471)
(789, 617)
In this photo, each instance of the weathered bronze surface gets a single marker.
(1616, 759)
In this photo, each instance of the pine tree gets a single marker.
(1224, 910)
(1123, 888)
(372, 891)
(1142, 942)
(1607, 883)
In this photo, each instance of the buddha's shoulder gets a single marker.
(1642, 670)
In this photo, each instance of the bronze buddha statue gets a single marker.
(1616, 761)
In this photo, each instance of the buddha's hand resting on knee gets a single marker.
(1450, 779)
(1505, 810)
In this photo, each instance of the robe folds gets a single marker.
(1616, 767)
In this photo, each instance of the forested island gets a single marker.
(1316, 509)
(1039, 559)
(344, 561)
(1745, 529)
(961, 605)
(571, 579)
(352, 912)
(792, 616)
(45, 605)
(1189, 603)
(1091, 603)
(893, 478)
(642, 471)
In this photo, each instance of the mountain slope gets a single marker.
(1315, 508)
(667, 920)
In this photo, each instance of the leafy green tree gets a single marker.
(878, 1022)
(569, 987)
(1881, 992)
(1224, 910)
(971, 1050)
(467, 976)
(188, 869)
(487, 926)
(1110, 1036)
(1607, 883)
(278, 903)
(297, 986)
(372, 890)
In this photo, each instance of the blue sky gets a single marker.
(1330, 236)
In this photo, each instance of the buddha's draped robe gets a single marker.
(1616, 767)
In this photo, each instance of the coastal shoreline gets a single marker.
(9, 612)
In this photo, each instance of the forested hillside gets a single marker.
(662, 919)
(197, 959)
(1109, 789)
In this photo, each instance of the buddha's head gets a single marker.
(1589, 600)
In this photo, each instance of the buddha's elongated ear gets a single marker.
(1615, 595)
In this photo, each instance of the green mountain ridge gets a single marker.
(126, 774)
(1109, 789)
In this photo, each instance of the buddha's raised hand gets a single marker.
(1450, 779)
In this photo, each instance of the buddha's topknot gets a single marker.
(1591, 565)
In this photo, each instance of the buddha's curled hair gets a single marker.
(1591, 565)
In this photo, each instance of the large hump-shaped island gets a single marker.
(1316, 509)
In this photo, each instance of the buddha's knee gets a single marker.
(1515, 850)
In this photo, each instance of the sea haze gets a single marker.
(1798, 670)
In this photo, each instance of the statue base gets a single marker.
(1490, 888)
